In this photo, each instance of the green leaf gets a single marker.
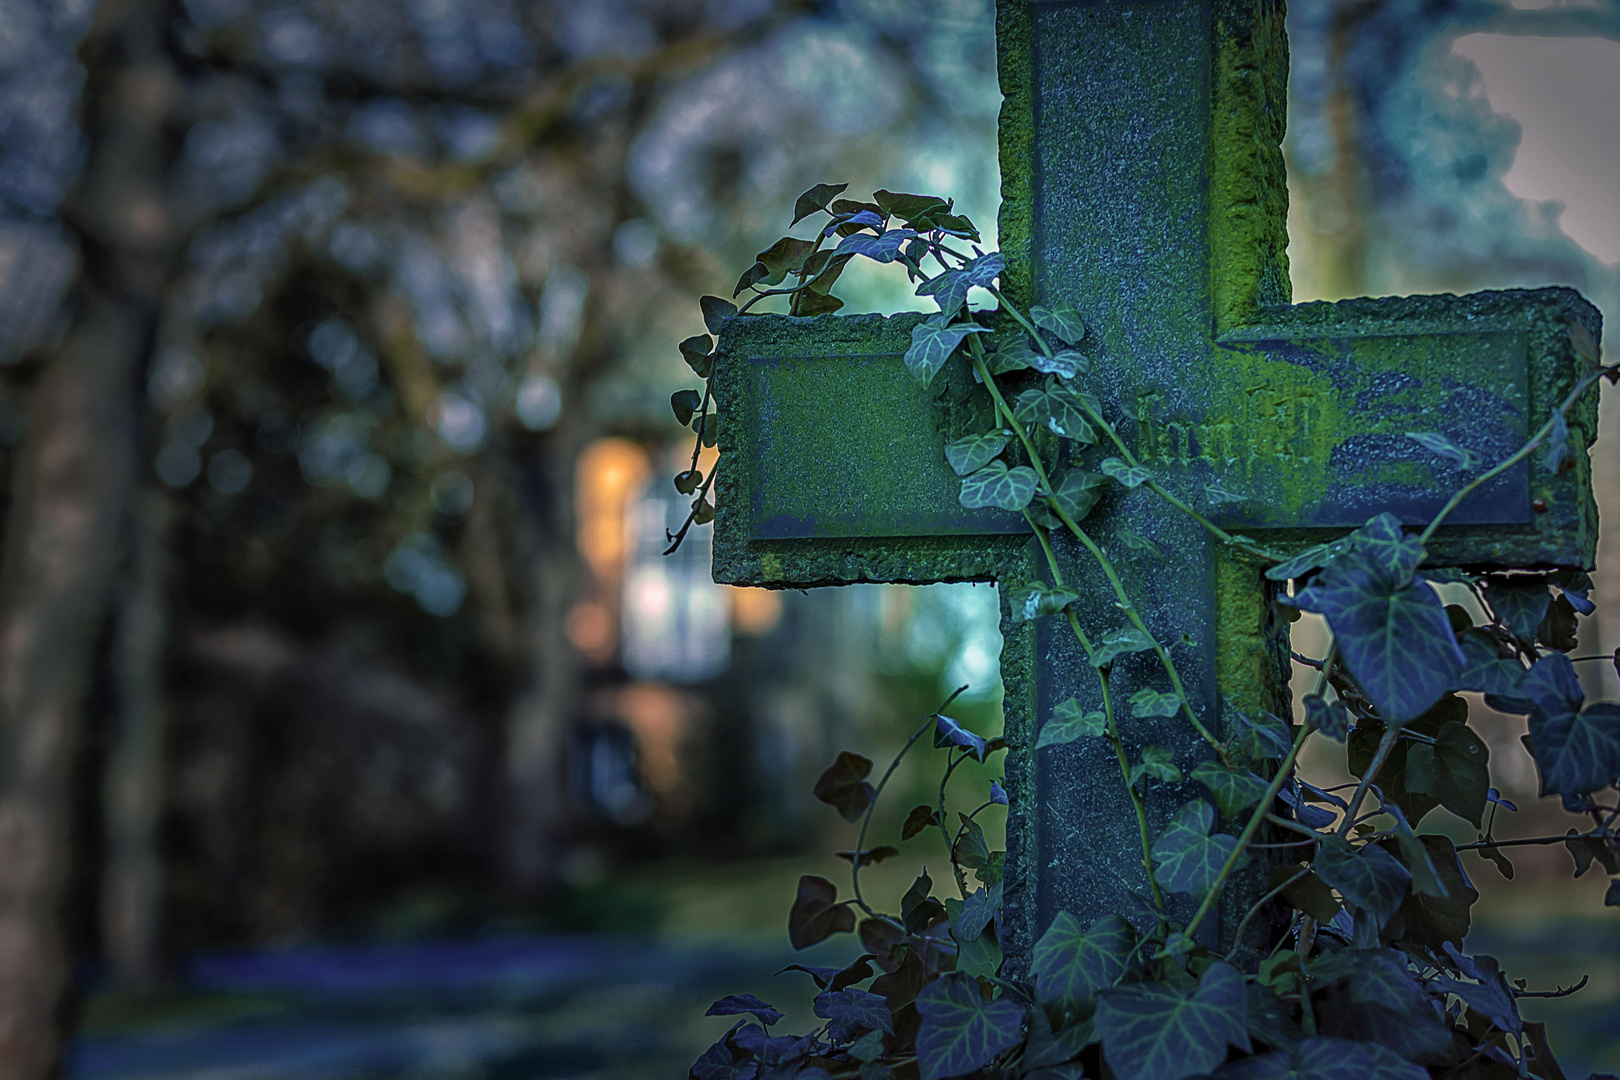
(1038, 599)
(816, 916)
(683, 403)
(1189, 859)
(1559, 630)
(809, 302)
(1393, 634)
(715, 312)
(1069, 723)
(1584, 848)
(1064, 363)
(843, 785)
(1521, 605)
(949, 289)
(1455, 771)
(933, 342)
(875, 855)
(1312, 558)
(1331, 718)
(1558, 457)
(909, 207)
(1158, 1031)
(784, 256)
(884, 248)
(1262, 737)
(949, 732)
(1129, 475)
(1058, 410)
(750, 277)
(997, 486)
(1309, 894)
(976, 913)
(822, 270)
(1061, 320)
(1157, 763)
(1319, 1058)
(852, 1011)
(1079, 492)
(741, 1004)
(695, 351)
(921, 817)
(1233, 791)
(817, 198)
(1438, 444)
(918, 909)
(970, 850)
(1071, 967)
(979, 957)
(973, 452)
(1368, 877)
(1140, 543)
(984, 270)
(993, 870)
(1576, 753)
(687, 481)
(961, 1031)
(1216, 494)
(1145, 703)
(1119, 642)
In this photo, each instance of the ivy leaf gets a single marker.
(1575, 753)
(1157, 763)
(817, 198)
(1260, 737)
(1520, 606)
(1369, 877)
(1012, 355)
(970, 850)
(738, 1004)
(984, 270)
(948, 732)
(1119, 642)
(683, 403)
(961, 1031)
(719, 1062)
(1558, 456)
(921, 817)
(1586, 847)
(918, 909)
(1129, 475)
(1064, 363)
(852, 1011)
(695, 351)
(783, 257)
(1079, 492)
(1146, 703)
(1431, 921)
(998, 794)
(1454, 771)
(1071, 967)
(976, 913)
(971, 453)
(1037, 599)
(1486, 671)
(1426, 879)
(979, 957)
(909, 208)
(1069, 723)
(876, 855)
(810, 302)
(1331, 718)
(933, 342)
(750, 277)
(1061, 320)
(1233, 790)
(1559, 630)
(843, 785)
(1436, 443)
(687, 480)
(1320, 1058)
(1393, 634)
(1217, 495)
(1312, 558)
(1189, 859)
(993, 870)
(949, 289)
(1388, 547)
(1158, 1031)
(715, 312)
(1138, 542)
(1309, 894)
(883, 248)
(997, 486)
(1058, 413)
(816, 916)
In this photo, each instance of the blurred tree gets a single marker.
(358, 281)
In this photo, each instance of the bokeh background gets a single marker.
(383, 739)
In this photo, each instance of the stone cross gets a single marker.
(1142, 182)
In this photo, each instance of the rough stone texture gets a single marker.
(1142, 182)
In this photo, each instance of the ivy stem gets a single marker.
(950, 848)
(1113, 730)
(1123, 597)
(1131, 459)
(1385, 745)
(1517, 456)
(866, 818)
(1251, 828)
(1255, 910)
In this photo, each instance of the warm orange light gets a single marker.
(589, 627)
(755, 611)
(607, 475)
(658, 716)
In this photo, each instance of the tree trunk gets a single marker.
(70, 489)
(132, 792)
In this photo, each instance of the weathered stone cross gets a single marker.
(1142, 182)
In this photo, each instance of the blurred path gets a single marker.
(494, 1009)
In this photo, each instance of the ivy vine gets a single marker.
(1365, 974)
